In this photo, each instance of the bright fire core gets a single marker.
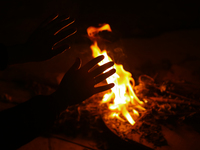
(122, 93)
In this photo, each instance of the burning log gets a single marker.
(147, 130)
(121, 103)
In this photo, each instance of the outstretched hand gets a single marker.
(79, 82)
(42, 44)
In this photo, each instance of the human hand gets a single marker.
(79, 82)
(42, 44)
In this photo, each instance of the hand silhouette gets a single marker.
(79, 82)
(42, 44)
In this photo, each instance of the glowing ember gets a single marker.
(122, 93)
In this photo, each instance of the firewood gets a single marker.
(168, 100)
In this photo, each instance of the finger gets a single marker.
(101, 69)
(48, 20)
(103, 88)
(59, 49)
(102, 77)
(57, 20)
(62, 25)
(63, 35)
(76, 65)
(93, 62)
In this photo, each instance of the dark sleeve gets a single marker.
(21, 124)
(3, 57)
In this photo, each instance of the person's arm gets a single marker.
(23, 123)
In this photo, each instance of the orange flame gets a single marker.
(122, 93)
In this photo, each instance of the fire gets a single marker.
(122, 93)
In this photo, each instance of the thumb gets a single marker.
(76, 65)
(72, 69)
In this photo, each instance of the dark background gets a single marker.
(158, 38)
(129, 18)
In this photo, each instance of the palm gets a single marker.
(79, 82)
